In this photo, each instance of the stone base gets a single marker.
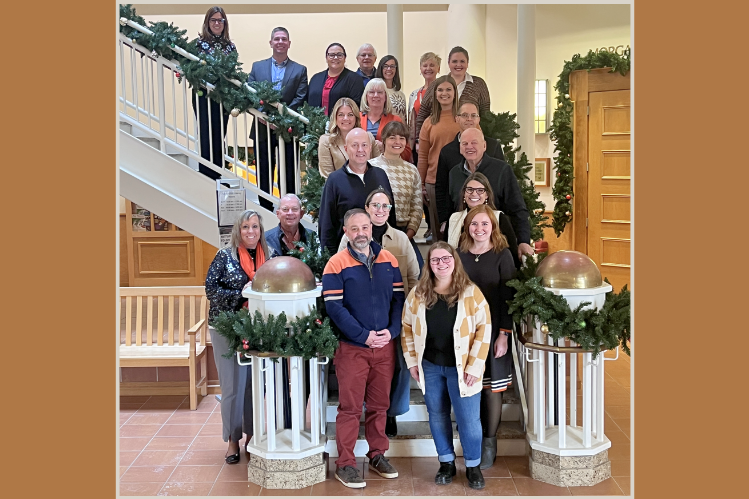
(286, 473)
(569, 471)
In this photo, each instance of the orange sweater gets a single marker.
(431, 141)
(384, 120)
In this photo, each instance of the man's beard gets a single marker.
(361, 242)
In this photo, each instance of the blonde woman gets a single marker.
(429, 66)
(377, 111)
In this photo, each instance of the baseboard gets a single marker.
(154, 388)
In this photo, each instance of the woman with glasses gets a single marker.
(214, 36)
(477, 191)
(376, 111)
(326, 87)
(378, 205)
(388, 71)
(439, 130)
(331, 148)
(445, 335)
(488, 263)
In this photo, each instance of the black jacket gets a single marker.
(449, 157)
(349, 84)
(507, 196)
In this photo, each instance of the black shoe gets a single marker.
(446, 473)
(232, 458)
(380, 465)
(350, 477)
(488, 452)
(391, 427)
(475, 478)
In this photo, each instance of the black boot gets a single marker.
(475, 478)
(391, 427)
(446, 473)
(488, 452)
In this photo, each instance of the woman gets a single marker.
(214, 36)
(446, 329)
(488, 263)
(388, 71)
(477, 191)
(439, 130)
(326, 87)
(331, 148)
(378, 205)
(429, 66)
(470, 87)
(376, 111)
(231, 271)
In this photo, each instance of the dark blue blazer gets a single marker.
(293, 86)
(348, 84)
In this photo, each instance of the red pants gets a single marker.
(364, 375)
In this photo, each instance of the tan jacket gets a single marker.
(455, 226)
(472, 334)
(397, 243)
(332, 155)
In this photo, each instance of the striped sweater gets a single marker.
(472, 334)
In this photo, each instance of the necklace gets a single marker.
(479, 255)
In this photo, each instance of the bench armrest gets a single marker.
(193, 330)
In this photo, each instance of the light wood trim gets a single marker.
(171, 320)
(138, 320)
(579, 95)
(602, 80)
(163, 291)
(198, 326)
(192, 310)
(181, 337)
(160, 321)
(154, 388)
(128, 320)
(186, 244)
(149, 322)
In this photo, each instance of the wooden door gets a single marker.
(609, 192)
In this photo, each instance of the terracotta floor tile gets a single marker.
(427, 487)
(147, 474)
(210, 430)
(123, 469)
(494, 487)
(134, 443)
(235, 489)
(616, 436)
(127, 457)
(518, 466)
(215, 417)
(617, 451)
(140, 489)
(129, 406)
(203, 458)
(139, 430)
(191, 417)
(617, 411)
(424, 467)
(497, 470)
(186, 489)
(209, 443)
(623, 400)
(389, 487)
(193, 474)
(207, 404)
(531, 487)
(607, 487)
(624, 425)
(620, 468)
(149, 418)
(178, 430)
(159, 458)
(402, 464)
(286, 492)
(333, 487)
(125, 417)
(234, 472)
(624, 484)
(169, 443)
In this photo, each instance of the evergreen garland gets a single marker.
(307, 336)
(313, 182)
(590, 329)
(561, 128)
(313, 255)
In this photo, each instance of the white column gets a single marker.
(395, 32)
(466, 27)
(526, 79)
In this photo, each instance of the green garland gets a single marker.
(313, 255)
(590, 329)
(561, 128)
(313, 182)
(307, 336)
(503, 127)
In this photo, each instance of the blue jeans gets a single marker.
(441, 390)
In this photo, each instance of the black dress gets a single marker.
(491, 273)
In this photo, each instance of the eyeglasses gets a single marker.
(217, 21)
(337, 55)
(292, 209)
(389, 66)
(477, 190)
(377, 206)
(445, 259)
(465, 116)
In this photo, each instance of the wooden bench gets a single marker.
(159, 336)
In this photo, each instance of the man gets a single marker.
(366, 57)
(468, 117)
(363, 291)
(348, 188)
(291, 79)
(507, 196)
(283, 238)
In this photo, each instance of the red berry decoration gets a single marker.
(568, 196)
(261, 103)
(301, 249)
(177, 75)
(246, 346)
(289, 129)
(318, 322)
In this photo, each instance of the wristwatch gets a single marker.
(505, 333)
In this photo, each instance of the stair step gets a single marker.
(126, 127)
(150, 141)
(182, 158)
(409, 430)
(417, 398)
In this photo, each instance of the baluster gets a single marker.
(281, 167)
(573, 387)
(314, 383)
(586, 399)
(562, 409)
(550, 408)
(280, 382)
(297, 415)
(258, 423)
(270, 396)
(599, 397)
(162, 106)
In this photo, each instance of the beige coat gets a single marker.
(397, 243)
(456, 226)
(332, 156)
(472, 335)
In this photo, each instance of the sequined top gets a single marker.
(224, 283)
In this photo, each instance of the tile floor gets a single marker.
(166, 449)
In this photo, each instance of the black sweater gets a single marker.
(348, 84)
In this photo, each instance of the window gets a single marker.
(541, 121)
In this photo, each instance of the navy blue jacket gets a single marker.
(342, 192)
(293, 86)
(359, 300)
(273, 238)
(348, 84)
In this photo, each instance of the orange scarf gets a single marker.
(246, 261)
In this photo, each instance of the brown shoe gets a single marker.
(349, 476)
(380, 465)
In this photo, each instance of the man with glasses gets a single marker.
(366, 57)
(363, 290)
(507, 196)
(291, 79)
(284, 237)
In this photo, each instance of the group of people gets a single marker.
(442, 322)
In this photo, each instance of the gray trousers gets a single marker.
(236, 391)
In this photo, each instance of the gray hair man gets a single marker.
(290, 231)
(366, 57)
